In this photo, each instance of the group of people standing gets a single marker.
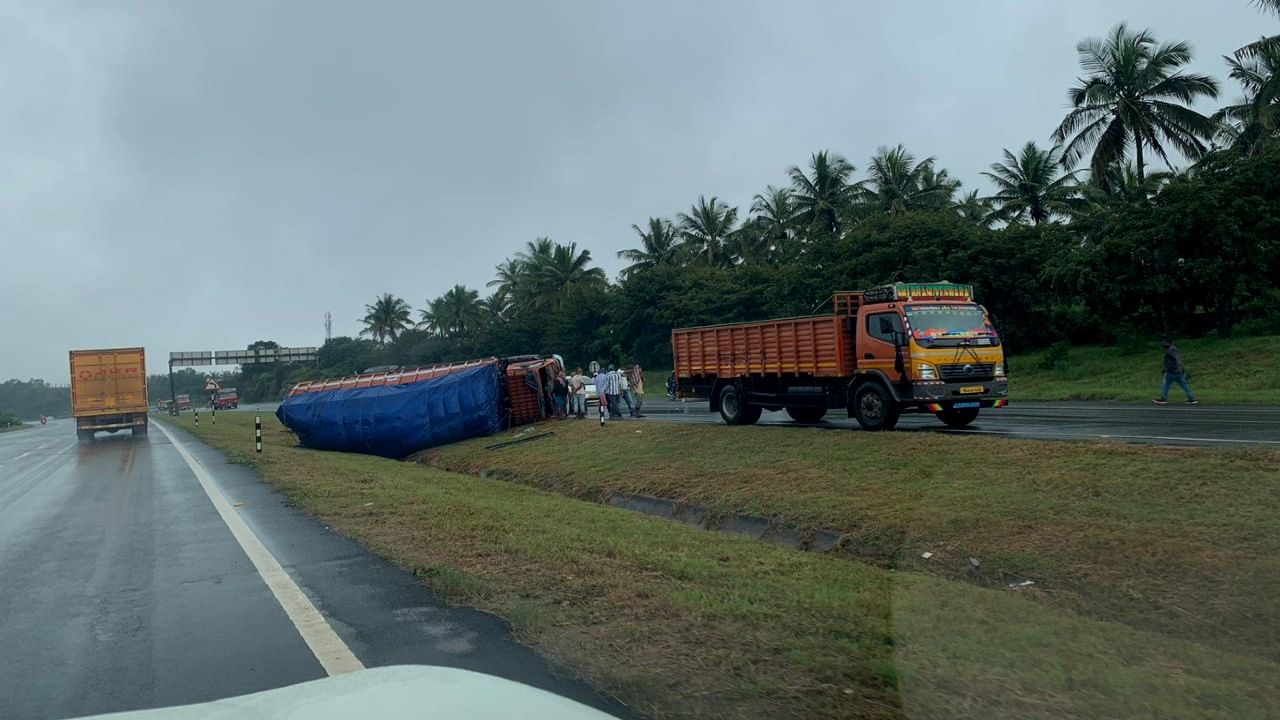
(613, 386)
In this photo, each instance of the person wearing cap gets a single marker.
(1174, 372)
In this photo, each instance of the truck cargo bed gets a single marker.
(818, 346)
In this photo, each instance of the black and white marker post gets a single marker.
(257, 432)
(197, 412)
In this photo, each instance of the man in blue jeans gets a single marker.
(1174, 372)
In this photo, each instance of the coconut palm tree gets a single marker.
(1134, 94)
(455, 314)
(659, 245)
(896, 183)
(1032, 185)
(977, 210)
(556, 271)
(1256, 115)
(508, 278)
(386, 318)
(774, 216)
(706, 227)
(824, 193)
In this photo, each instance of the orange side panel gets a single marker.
(818, 346)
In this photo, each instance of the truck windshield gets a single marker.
(936, 322)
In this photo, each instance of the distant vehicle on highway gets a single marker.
(109, 391)
(227, 399)
(183, 402)
(901, 348)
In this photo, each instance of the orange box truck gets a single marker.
(109, 391)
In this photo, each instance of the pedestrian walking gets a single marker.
(1175, 371)
(613, 393)
(578, 394)
(636, 376)
(671, 386)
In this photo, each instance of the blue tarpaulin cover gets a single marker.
(396, 420)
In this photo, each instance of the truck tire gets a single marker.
(734, 409)
(806, 414)
(140, 430)
(84, 436)
(957, 418)
(874, 408)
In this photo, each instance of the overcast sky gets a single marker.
(199, 175)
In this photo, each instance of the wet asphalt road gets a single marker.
(121, 587)
(1173, 424)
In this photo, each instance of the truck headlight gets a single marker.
(999, 369)
(926, 372)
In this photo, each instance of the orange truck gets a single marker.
(895, 349)
(109, 391)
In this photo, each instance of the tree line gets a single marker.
(1092, 236)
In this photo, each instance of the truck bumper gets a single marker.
(938, 396)
(111, 422)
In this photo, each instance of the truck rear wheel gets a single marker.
(874, 408)
(806, 414)
(734, 408)
(140, 430)
(957, 418)
(84, 436)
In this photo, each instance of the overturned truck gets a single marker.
(395, 413)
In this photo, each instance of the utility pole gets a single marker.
(328, 326)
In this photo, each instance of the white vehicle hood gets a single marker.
(398, 692)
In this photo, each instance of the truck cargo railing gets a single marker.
(391, 377)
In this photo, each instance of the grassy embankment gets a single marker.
(1234, 370)
(680, 622)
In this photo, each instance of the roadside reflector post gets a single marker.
(197, 412)
(600, 405)
(257, 433)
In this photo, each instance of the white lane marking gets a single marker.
(328, 648)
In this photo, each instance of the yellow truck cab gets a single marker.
(925, 347)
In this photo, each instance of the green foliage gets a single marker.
(29, 399)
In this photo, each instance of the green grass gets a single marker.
(1235, 370)
(11, 428)
(680, 622)
(1184, 542)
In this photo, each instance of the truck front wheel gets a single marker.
(957, 418)
(806, 414)
(734, 408)
(874, 408)
(84, 436)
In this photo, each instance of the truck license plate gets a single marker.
(972, 389)
(967, 405)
